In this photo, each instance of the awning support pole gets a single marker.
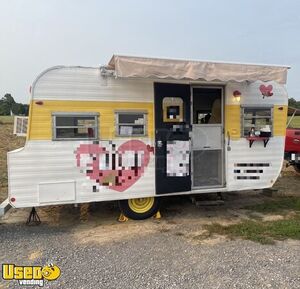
(291, 117)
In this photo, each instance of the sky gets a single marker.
(38, 34)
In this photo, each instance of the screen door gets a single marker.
(207, 137)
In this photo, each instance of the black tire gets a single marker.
(127, 210)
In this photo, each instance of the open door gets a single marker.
(172, 145)
(207, 137)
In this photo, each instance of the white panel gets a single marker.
(207, 137)
(251, 94)
(84, 83)
(58, 192)
(56, 162)
(52, 162)
(254, 157)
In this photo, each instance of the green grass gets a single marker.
(6, 119)
(269, 231)
(280, 205)
(295, 122)
(262, 232)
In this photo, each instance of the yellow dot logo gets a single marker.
(51, 272)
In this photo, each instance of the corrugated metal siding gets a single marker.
(241, 153)
(87, 84)
(79, 89)
(279, 120)
(84, 89)
(53, 162)
(41, 121)
(233, 121)
(251, 94)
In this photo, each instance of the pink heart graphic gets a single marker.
(266, 90)
(116, 169)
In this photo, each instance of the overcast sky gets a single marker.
(37, 34)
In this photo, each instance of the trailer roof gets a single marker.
(161, 68)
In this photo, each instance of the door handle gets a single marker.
(228, 141)
(228, 137)
(206, 147)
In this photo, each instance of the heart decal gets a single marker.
(266, 90)
(117, 169)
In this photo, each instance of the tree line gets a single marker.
(294, 103)
(9, 106)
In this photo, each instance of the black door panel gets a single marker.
(171, 132)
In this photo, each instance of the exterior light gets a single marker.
(39, 102)
(237, 95)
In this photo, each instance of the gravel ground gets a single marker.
(93, 250)
(149, 254)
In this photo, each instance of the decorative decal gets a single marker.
(116, 168)
(266, 90)
(243, 174)
(178, 158)
(252, 165)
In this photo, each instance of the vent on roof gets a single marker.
(20, 125)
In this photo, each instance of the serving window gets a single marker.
(75, 126)
(257, 121)
(131, 123)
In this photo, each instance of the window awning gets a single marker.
(143, 67)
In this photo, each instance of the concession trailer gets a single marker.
(141, 128)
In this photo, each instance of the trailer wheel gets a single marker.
(140, 208)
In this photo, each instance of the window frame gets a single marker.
(117, 123)
(243, 107)
(96, 116)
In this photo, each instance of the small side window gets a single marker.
(172, 109)
(131, 123)
(257, 121)
(75, 126)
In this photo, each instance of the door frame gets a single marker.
(223, 175)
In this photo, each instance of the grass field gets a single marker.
(8, 142)
(266, 232)
(6, 119)
(281, 206)
(295, 122)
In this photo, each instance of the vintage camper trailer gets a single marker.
(141, 128)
